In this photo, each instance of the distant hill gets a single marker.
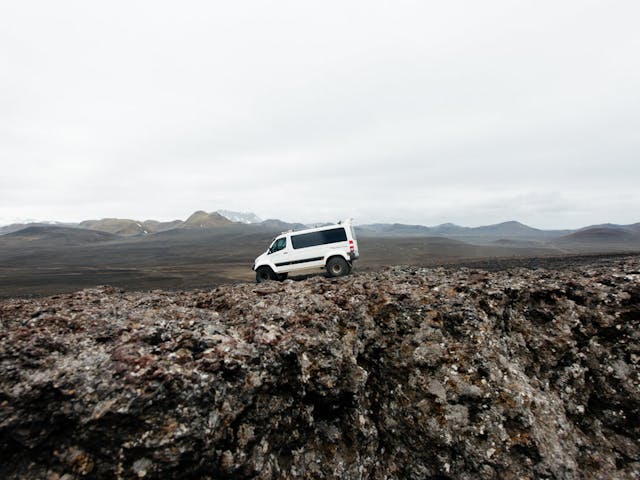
(154, 226)
(394, 229)
(202, 219)
(484, 235)
(118, 226)
(635, 227)
(510, 229)
(601, 239)
(50, 236)
(14, 227)
(275, 224)
(448, 228)
(603, 235)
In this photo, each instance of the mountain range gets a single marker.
(197, 220)
(506, 233)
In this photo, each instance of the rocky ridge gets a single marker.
(403, 373)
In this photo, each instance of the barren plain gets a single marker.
(48, 260)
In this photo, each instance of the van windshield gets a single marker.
(278, 244)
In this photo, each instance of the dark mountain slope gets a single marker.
(601, 238)
(53, 237)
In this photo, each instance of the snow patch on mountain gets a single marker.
(242, 217)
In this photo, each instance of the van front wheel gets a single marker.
(337, 267)
(264, 274)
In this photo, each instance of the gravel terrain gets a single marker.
(407, 372)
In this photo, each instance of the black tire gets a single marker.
(337, 267)
(264, 274)
(282, 276)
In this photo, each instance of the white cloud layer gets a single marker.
(407, 111)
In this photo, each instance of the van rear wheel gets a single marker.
(337, 267)
(264, 274)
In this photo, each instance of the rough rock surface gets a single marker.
(403, 373)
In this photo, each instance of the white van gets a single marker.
(332, 247)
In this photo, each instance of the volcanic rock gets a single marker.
(402, 373)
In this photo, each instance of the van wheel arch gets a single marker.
(264, 274)
(337, 266)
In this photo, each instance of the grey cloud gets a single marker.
(406, 111)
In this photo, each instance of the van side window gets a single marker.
(279, 244)
(312, 239)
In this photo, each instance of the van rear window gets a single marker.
(312, 239)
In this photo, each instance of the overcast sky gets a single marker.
(415, 112)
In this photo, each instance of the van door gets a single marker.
(279, 253)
